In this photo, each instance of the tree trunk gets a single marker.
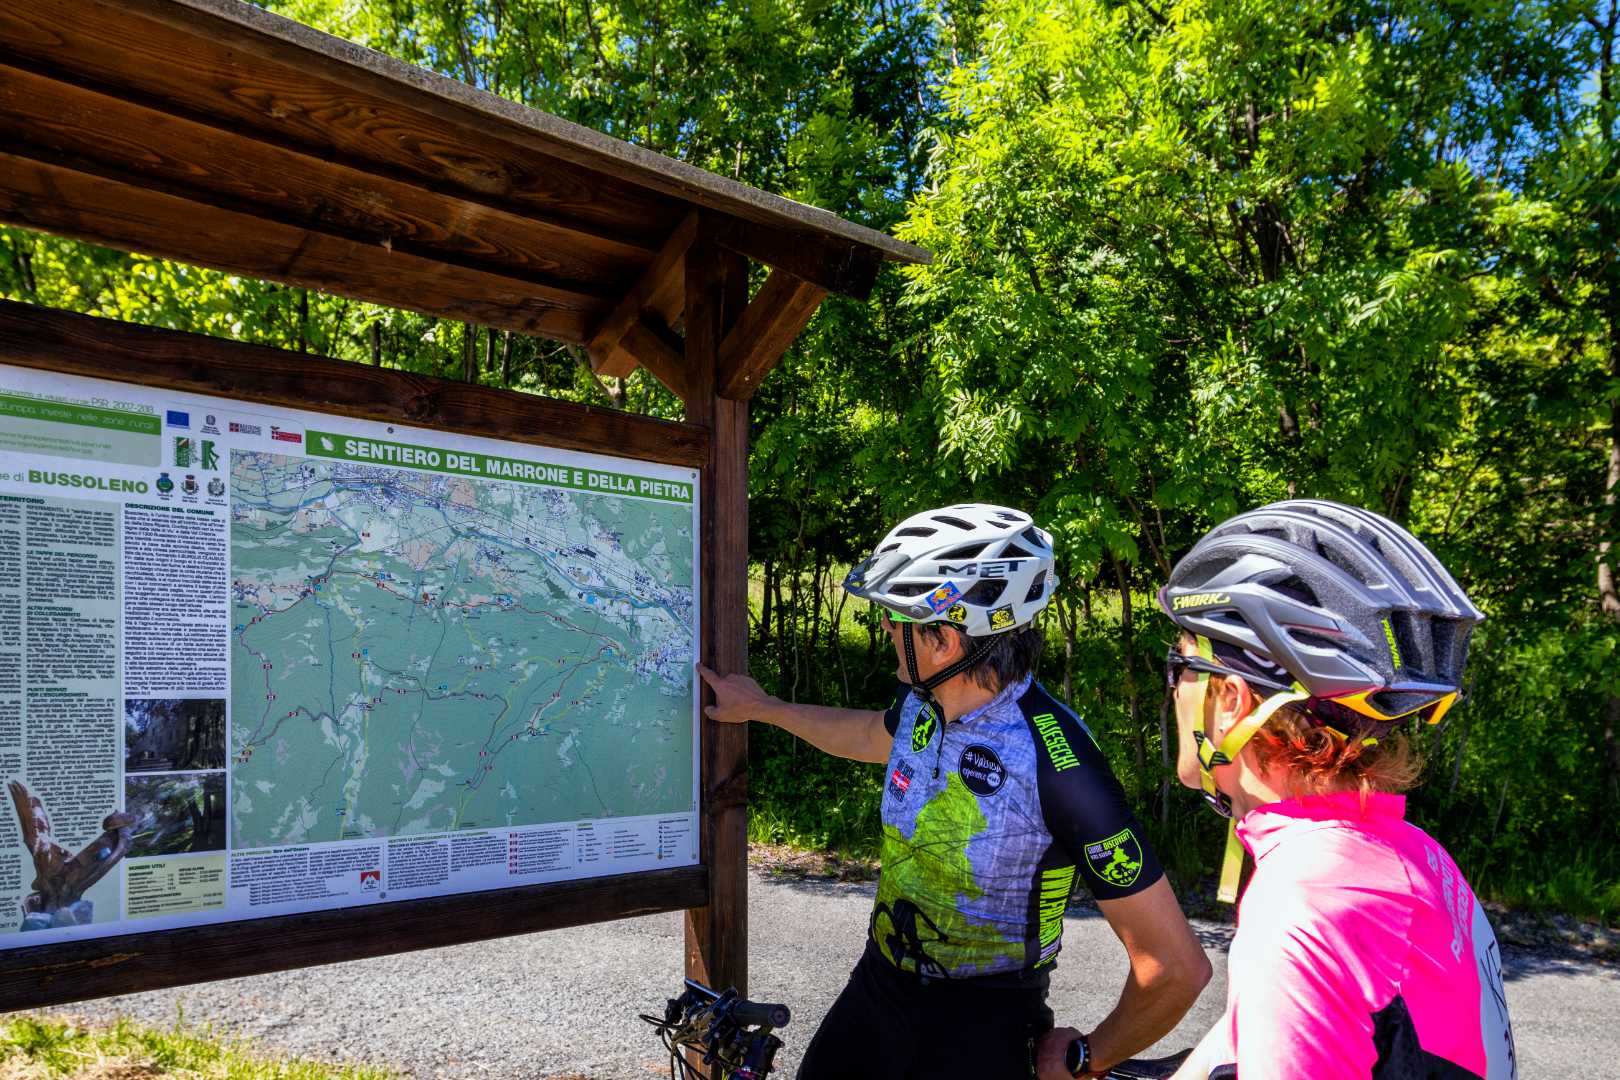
(22, 257)
(303, 320)
(506, 358)
(782, 569)
(1066, 622)
(374, 339)
(815, 614)
(1608, 221)
(469, 352)
(1456, 764)
(836, 637)
(1127, 644)
(766, 593)
(794, 573)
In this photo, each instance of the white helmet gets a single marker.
(986, 569)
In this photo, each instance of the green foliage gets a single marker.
(34, 1046)
(1188, 259)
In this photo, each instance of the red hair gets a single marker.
(1319, 760)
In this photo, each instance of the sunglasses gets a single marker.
(1177, 662)
(890, 618)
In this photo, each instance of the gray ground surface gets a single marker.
(564, 1003)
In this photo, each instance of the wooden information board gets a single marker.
(276, 674)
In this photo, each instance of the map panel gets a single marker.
(414, 652)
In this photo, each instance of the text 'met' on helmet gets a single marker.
(986, 569)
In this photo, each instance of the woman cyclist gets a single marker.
(1311, 633)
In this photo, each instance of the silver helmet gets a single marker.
(1340, 601)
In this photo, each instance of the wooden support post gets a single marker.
(717, 935)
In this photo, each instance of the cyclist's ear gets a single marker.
(1231, 699)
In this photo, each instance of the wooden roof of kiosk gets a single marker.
(214, 133)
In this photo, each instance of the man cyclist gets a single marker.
(997, 803)
(1311, 633)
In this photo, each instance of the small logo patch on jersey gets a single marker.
(900, 780)
(1001, 618)
(943, 597)
(1116, 860)
(981, 770)
(922, 729)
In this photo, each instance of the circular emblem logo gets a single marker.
(981, 770)
(164, 484)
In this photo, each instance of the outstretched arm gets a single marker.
(858, 734)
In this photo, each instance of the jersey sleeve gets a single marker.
(1084, 806)
(891, 718)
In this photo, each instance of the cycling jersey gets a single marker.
(989, 823)
(1360, 952)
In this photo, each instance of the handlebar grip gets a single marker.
(761, 1012)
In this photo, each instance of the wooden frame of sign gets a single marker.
(214, 133)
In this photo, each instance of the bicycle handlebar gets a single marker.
(762, 1013)
(731, 1034)
(733, 1037)
(1148, 1068)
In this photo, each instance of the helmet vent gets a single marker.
(1413, 655)
(887, 547)
(954, 522)
(911, 589)
(1295, 589)
(1036, 588)
(1398, 702)
(1005, 516)
(966, 551)
(985, 593)
(1032, 537)
(1336, 556)
(1315, 641)
(998, 524)
(1013, 551)
(915, 531)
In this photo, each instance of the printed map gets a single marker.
(416, 652)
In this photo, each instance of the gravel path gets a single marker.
(564, 1003)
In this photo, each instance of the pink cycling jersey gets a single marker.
(1360, 952)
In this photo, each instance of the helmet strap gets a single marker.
(1210, 756)
(925, 687)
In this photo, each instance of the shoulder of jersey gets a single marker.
(1057, 729)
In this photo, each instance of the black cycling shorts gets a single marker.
(891, 1024)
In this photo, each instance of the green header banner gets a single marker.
(61, 412)
(491, 467)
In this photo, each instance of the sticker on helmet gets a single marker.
(943, 597)
(1001, 618)
(1116, 860)
(958, 613)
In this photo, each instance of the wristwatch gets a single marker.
(1077, 1059)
